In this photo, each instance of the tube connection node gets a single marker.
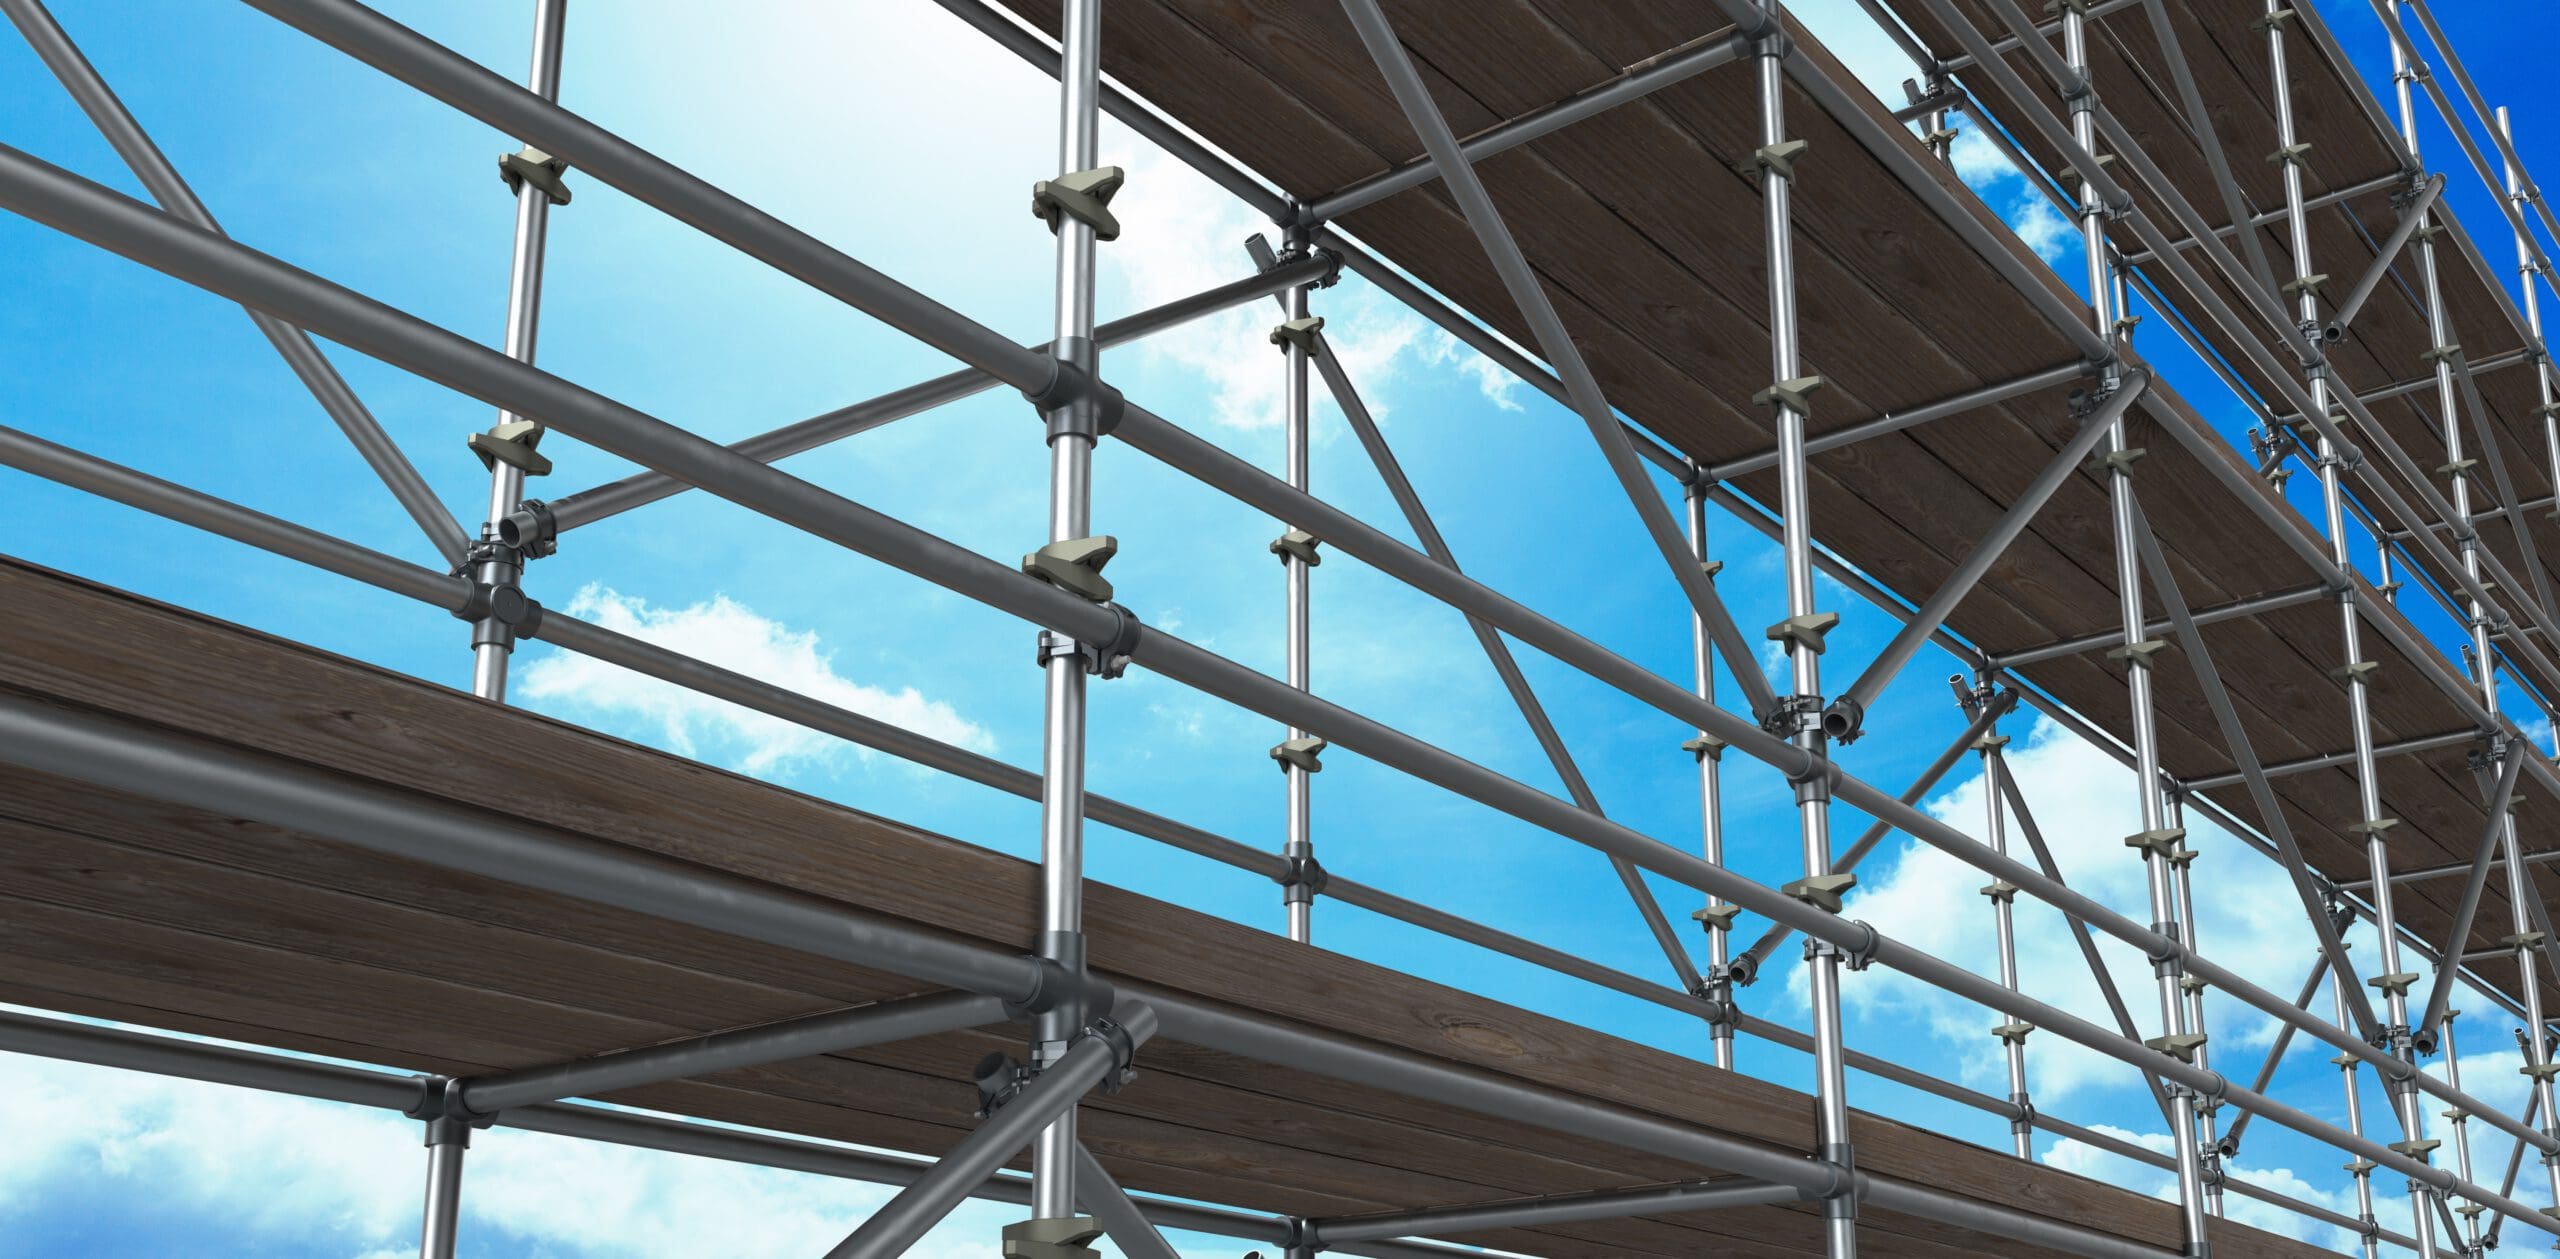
(511, 442)
(1052, 1239)
(530, 165)
(1084, 196)
(530, 529)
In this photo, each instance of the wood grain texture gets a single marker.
(126, 908)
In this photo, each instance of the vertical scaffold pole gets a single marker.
(2012, 1031)
(1803, 629)
(2157, 840)
(1718, 915)
(2393, 981)
(1297, 552)
(447, 1140)
(2208, 1141)
(2528, 271)
(2524, 937)
(509, 448)
(1072, 203)
(2461, 1121)
(2359, 1167)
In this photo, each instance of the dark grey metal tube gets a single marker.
(456, 80)
(2362, 187)
(242, 1068)
(2275, 1052)
(2038, 1230)
(446, 591)
(1972, 400)
(2232, 611)
(1587, 399)
(162, 766)
(1987, 551)
(2235, 738)
(1052, 1093)
(2174, 56)
(61, 464)
(2279, 769)
(640, 489)
(832, 1032)
(1634, 83)
(167, 187)
(1122, 1221)
(32, 188)
(2458, 937)
(1757, 955)
(2344, 315)
(1616, 1204)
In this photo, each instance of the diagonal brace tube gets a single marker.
(2411, 216)
(1987, 551)
(1573, 1208)
(1087, 1063)
(294, 345)
(1554, 341)
(1122, 1221)
(2458, 937)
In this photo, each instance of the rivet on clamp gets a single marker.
(1084, 196)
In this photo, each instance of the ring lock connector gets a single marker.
(513, 443)
(500, 605)
(530, 165)
(441, 1107)
(1854, 957)
(1844, 720)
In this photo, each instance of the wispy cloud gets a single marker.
(726, 633)
(323, 1176)
(1181, 235)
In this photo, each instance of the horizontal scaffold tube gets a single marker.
(442, 590)
(68, 203)
(128, 1050)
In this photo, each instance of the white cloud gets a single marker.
(288, 1172)
(2084, 803)
(726, 633)
(1181, 234)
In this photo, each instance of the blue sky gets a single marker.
(845, 121)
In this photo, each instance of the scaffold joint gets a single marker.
(2180, 1045)
(2275, 18)
(1063, 1238)
(1302, 754)
(1855, 957)
(2159, 841)
(1075, 565)
(2000, 891)
(530, 165)
(1106, 660)
(2013, 1032)
(1299, 545)
(531, 529)
(1822, 891)
(2396, 983)
(1715, 918)
(1795, 394)
(511, 442)
(1298, 334)
(1084, 196)
(1302, 877)
(1805, 630)
(2289, 154)
(2118, 461)
(1703, 746)
(1780, 159)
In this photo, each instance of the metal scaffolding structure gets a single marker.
(2267, 325)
